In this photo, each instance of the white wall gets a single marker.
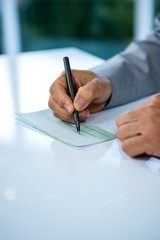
(143, 18)
(10, 27)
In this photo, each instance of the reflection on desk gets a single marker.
(51, 191)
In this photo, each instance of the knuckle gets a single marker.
(87, 92)
(117, 122)
(156, 99)
(118, 134)
(60, 102)
(151, 111)
(49, 103)
(125, 147)
(96, 84)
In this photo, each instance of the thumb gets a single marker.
(84, 96)
(80, 103)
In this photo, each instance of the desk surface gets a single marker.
(51, 191)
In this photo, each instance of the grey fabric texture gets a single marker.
(135, 72)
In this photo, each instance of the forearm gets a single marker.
(135, 72)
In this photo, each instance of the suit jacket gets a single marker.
(135, 72)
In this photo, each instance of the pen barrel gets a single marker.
(71, 87)
(71, 90)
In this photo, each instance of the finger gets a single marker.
(94, 108)
(134, 146)
(64, 115)
(59, 112)
(59, 95)
(127, 117)
(154, 100)
(95, 91)
(84, 96)
(136, 113)
(128, 130)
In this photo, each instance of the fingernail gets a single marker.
(68, 108)
(80, 102)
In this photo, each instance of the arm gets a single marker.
(135, 72)
(129, 75)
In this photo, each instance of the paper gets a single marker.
(45, 122)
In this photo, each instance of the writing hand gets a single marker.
(92, 93)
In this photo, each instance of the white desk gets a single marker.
(53, 192)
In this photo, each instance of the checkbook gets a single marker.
(44, 121)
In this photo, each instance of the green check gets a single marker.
(64, 132)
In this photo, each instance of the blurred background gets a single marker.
(101, 27)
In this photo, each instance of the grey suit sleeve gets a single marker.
(135, 72)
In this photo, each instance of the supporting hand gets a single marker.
(139, 129)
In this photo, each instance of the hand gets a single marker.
(92, 93)
(139, 129)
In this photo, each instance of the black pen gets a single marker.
(71, 90)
